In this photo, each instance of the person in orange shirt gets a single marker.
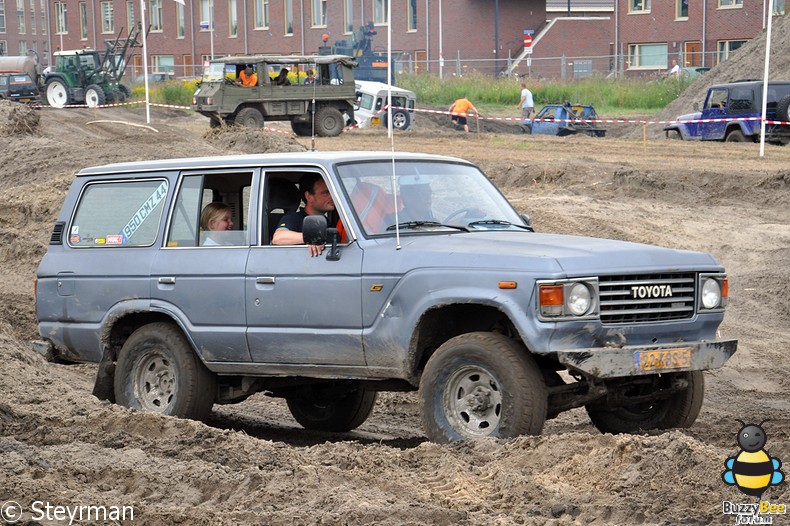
(463, 107)
(247, 77)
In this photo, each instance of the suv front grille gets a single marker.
(643, 298)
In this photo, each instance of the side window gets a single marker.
(717, 99)
(119, 213)
(741, 100)
(211, 210)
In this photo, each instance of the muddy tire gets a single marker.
(158, 372)
(481, 385)
(249, 118)
(332, 407)
(673, 135)
(126, 90)
(679, 410)
(328, 121)
(94, 96)
(783, 109)
(57, 93)
(736, 136)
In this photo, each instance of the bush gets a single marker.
(175, 92)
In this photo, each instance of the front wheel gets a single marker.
(481, 385)
(677, 410)
(735, 136)
(158, 372)
(332, 407)
(249, 117)
(95, 96)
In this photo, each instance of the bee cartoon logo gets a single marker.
(752, 470)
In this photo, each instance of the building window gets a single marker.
(727, 47)
(23, 47)
(348, 16)
(779, 7)
(20, 15)
(380, 11)
(163, 64)
(83, 21)
(33, 17)
(205, 15)
(156, 15)
(130, 14)
(727, 4)
(319, 13)
(289, 17)
(233, 19)
(3, 46)
(61, 26)
(180, 21)
(261, 14)
(412, 15)
(681, 9)
(107, 25)
(639, 6)
(647, 56)
(43, 17)
(2, 25)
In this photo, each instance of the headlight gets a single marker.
(711, 293)
(579, 299)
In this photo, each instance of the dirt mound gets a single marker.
(17, 119)
(251, 463)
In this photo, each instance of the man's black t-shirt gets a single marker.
(293, 221)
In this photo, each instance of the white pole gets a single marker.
(765, 76)
(211, 25)
(441, 55)
(389, 69)
(145, 64)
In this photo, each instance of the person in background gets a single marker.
(318, 201)
(310, 77)
(215, 217)
(526, 104)
(282, 78)
(247, 77)
(463, 107)
(674, 71)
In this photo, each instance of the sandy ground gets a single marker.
(252, 464)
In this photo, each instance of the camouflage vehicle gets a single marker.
(322, 107)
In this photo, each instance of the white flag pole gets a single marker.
(389, 70)
(765, 76)
(145, 63)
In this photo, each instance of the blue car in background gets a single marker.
(558, 119)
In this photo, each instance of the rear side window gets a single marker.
(119, 213)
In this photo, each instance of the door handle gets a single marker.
(265, 280)
(167, 280)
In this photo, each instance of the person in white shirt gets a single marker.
(674, 71)
(526, 104)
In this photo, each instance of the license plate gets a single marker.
(663, 359)
(23, 100)
(375, 121)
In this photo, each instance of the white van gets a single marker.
(372, 97)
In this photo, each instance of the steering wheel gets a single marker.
(460, 211)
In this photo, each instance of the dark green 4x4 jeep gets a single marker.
(320, 107)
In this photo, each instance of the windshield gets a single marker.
(215, 72)
(431, 196)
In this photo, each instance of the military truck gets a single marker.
(320, 108)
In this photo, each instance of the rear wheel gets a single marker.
(328, 121)
(677, 410)
(158, 372)
(334, 407)
(57, 93)
(126, 90)
(94, 96)
(736, 136)
(250, 118)
(481, 385)
(400, 119)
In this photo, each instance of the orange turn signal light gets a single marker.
(508, 284)
(725, 288)
(551, 295)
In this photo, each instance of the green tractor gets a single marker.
(85, 76)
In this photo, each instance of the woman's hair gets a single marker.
(212, 211)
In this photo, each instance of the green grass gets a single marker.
(620, 97)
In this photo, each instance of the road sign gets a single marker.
(528, 50)
(527, 41)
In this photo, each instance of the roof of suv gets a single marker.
(287, 59)
(252, 160)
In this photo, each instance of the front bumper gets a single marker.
(604, 362)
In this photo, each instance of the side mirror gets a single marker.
(527, 221)
(696, 106)
(314, 230)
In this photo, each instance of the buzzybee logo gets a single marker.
(752, 470)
